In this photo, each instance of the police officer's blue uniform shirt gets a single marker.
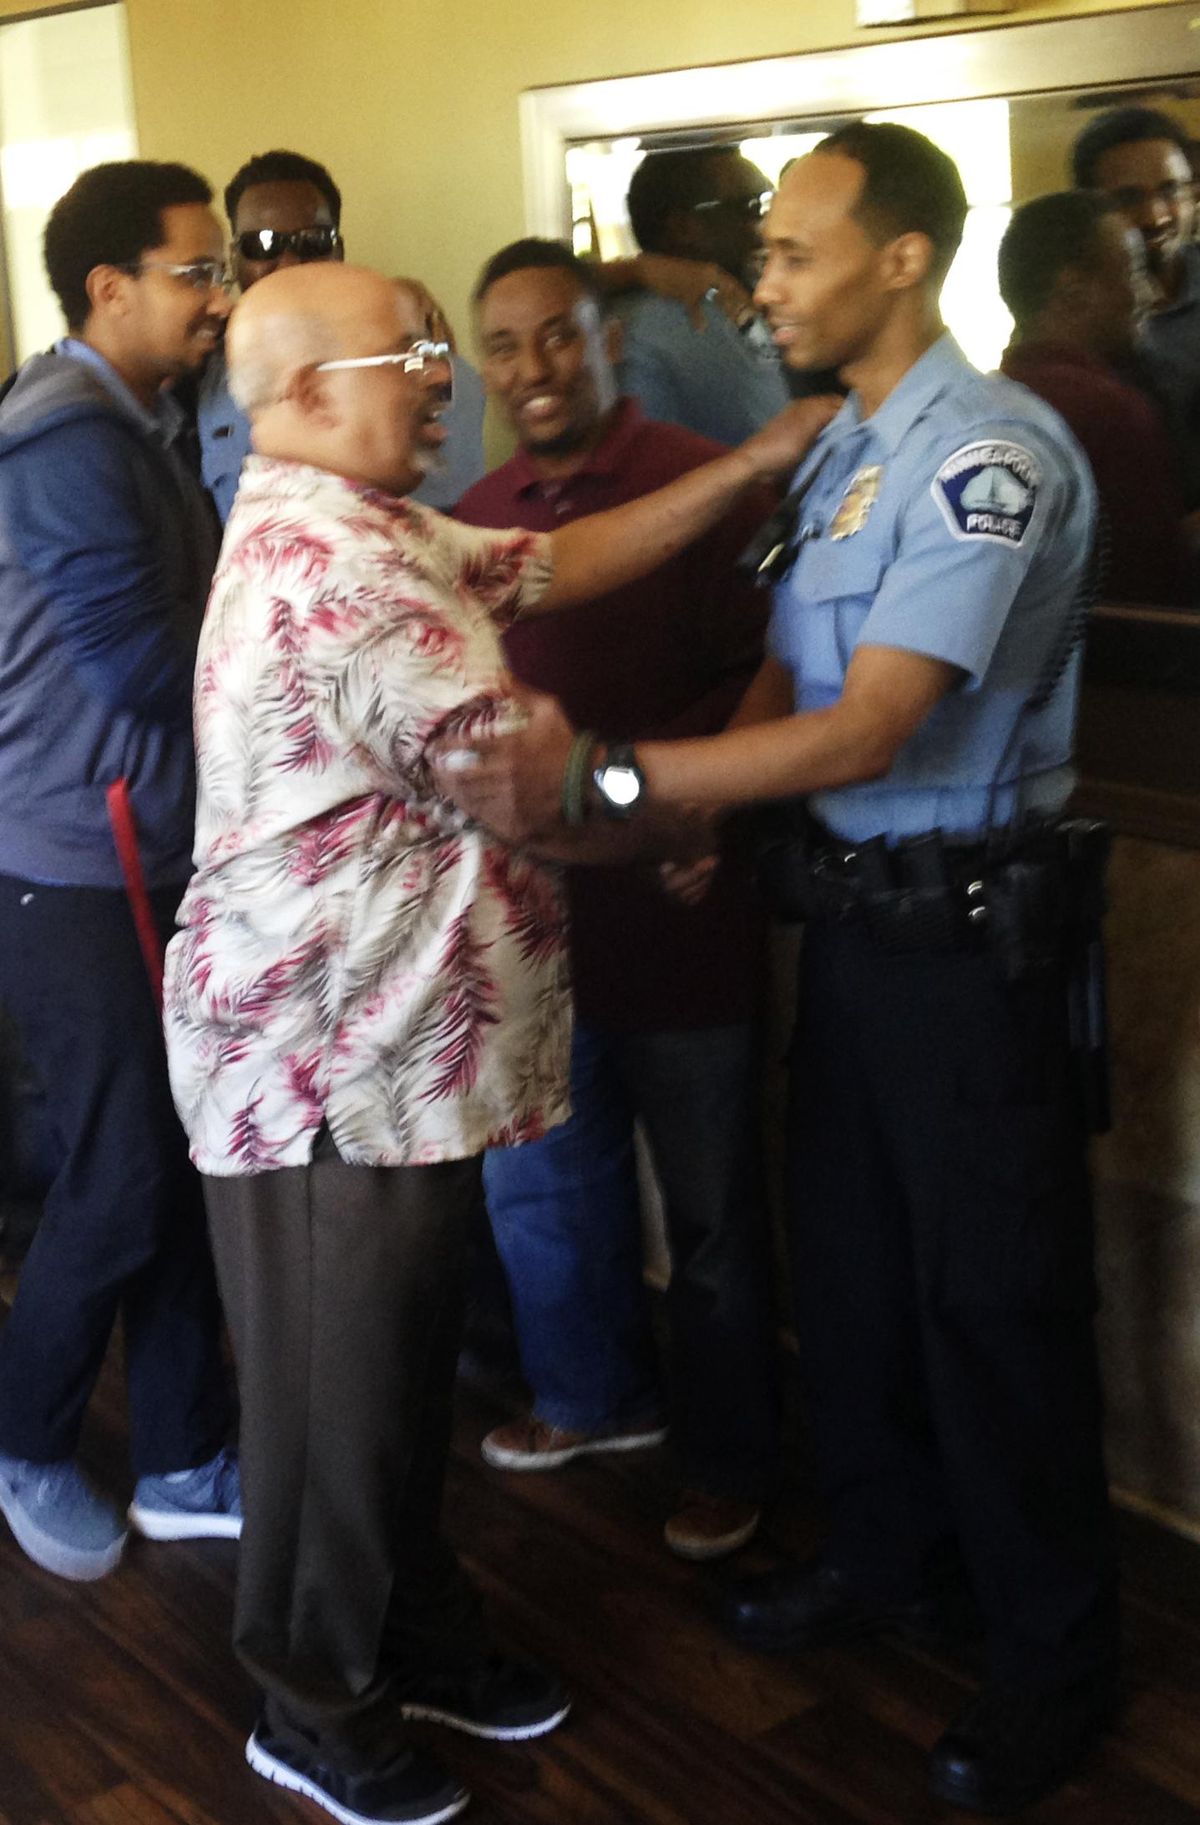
(956, 522)
(225, 439)
(718, 381)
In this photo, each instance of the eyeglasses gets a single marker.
(200, 275)
(413, 359)
(318, 243)
(753, 208)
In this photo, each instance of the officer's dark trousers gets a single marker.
(123, 1225)
(343, 1287)
(942, 1258)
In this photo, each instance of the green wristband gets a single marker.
(575, 778)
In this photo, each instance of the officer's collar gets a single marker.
(939, 367)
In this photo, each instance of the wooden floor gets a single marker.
(120, 1703)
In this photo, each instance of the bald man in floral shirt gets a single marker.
(366, 993)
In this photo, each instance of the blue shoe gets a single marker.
(200, 1504)
(59, 1520)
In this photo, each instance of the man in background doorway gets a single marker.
(1072, 274)
(1142, 159)
(724, 378)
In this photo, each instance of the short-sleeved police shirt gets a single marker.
(956, 522)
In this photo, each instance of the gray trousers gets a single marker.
(343, 1288)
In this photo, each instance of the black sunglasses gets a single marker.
(273, 243)
(752, 208)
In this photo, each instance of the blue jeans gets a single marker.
(565, 1214)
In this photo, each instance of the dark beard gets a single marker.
(565, 444)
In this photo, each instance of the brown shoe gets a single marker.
(710, 1526)
(533, 1444)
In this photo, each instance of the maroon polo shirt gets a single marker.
(1125, 439)
(668, 655)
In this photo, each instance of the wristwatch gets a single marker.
(619, 780)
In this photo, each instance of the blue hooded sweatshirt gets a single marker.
(107, 547)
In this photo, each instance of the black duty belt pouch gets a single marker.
(785, 857)
(903, 919)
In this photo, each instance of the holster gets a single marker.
(1033, 897)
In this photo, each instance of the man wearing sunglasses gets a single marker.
(285, 210)
(721, 379)
(106, 551)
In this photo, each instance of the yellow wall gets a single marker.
(414, 106)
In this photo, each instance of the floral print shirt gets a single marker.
(353, 951)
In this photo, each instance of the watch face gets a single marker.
(620, 785)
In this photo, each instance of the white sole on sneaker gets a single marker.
(295, 1782)
(160, 1524)
(79, 1565)
(502, 1459)
(493, 1733)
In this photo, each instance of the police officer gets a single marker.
(921, 692)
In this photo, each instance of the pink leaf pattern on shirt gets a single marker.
(246, 1143)
(533, 910)
(306, 747)
(324, 844)
(467, 1011)
(494, 577)
(280, 543)
(303, 1076)
(292, 974)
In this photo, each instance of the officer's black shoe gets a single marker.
(1014, 1744)
(811, 1606)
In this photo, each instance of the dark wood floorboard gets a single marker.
(121, 1704)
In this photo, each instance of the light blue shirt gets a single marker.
(163, 421)
(719, 381)
(225, 439)
(973, 550)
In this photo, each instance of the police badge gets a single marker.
(855, 506)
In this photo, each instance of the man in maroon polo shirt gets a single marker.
(665, 993)
(1071, 273)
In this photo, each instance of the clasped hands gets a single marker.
(512, 784)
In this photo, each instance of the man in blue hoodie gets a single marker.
(107, 544)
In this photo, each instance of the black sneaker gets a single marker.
(413, 1788)
(504, 1700)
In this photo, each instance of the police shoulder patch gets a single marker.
(988, 490)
